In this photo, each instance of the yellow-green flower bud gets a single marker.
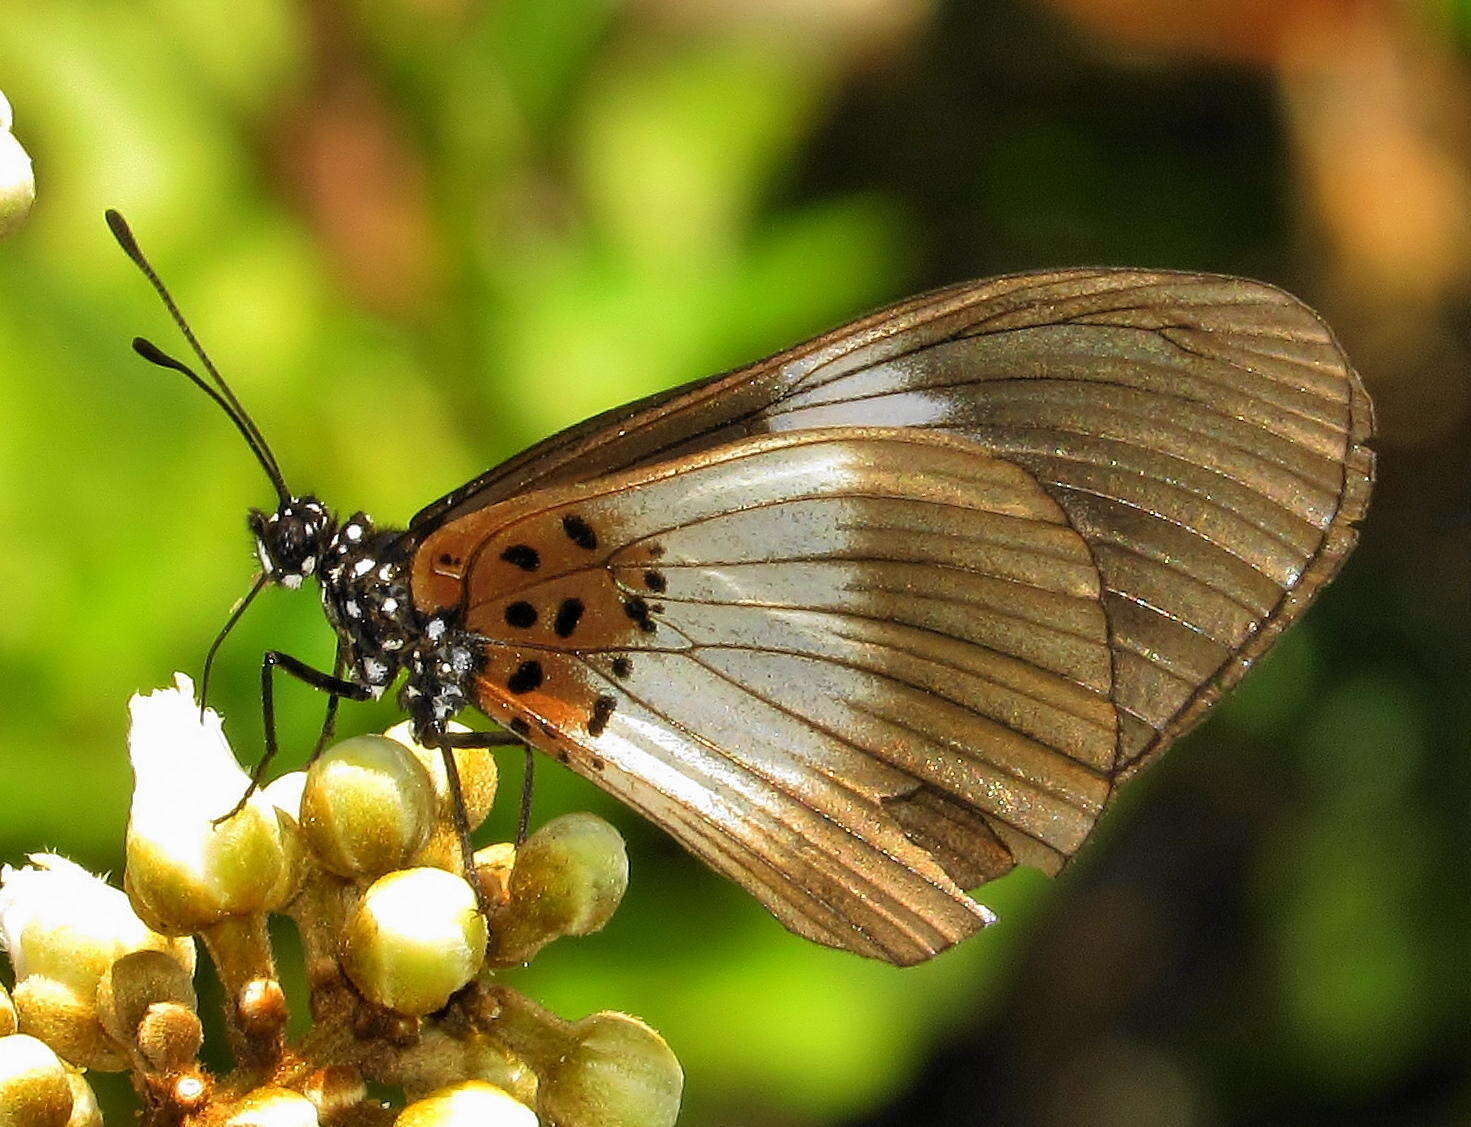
(274, 1107)
(493, 866)
(367, 808)
(68, 1023)
(618, 1073)
(17, 178)
(170, 1037)
(473, 1103)
(415, 938)
(85, 1112)
(439, 1059)
(136, 983)
(64, 929)
(9, 1019)
(567, 880)
(476, 769)
(335, 1091)
(34, 1088)
(184, 873)
(285, 792)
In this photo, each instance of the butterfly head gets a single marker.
(292, 541)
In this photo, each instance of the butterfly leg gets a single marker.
(323, 682)
(528, 789)
(329, 721)
(447, 742)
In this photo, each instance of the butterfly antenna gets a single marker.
(155, 355)
(214, 647)
(221, 393)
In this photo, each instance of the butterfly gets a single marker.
(870, 622)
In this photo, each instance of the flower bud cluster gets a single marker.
(361, 852)
(17, 180)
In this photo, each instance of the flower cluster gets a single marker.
(360, 852)
(17, 180)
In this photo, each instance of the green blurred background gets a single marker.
(420, 234)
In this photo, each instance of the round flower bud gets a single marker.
(34, 1088)
(136, 983)
(475, 766)
(493, 865)
(439, 1059)
(473, 1103)
(415, 938)
(567, 880)
(261, 1007)
(184, 873)
(367, 808)
(17, 178)
(85, 1112)
(284, 792)
(619, 1073)
(191, 1091)
(335, 1090)
(274, 1107)
(170, 1037)
(9, 1019)
(476, 769)
(68, 1023)
(65, 929)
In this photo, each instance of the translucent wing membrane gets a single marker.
(1205, 435)
(856, 670)
(854, 696)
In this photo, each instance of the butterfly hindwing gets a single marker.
(857, 670)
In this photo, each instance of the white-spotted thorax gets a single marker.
(363, 572)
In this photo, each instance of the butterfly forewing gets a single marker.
(857, 670)
(1199, 442)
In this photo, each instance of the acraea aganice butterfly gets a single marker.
(868, 623)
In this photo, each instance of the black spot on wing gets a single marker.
(638, 610)
(579, 532)
(602, 710)
(521, 615)
(568, 616)
(523, 556)
(528, 676)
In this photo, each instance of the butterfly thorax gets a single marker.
(365, 592)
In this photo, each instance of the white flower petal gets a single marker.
(59, 920)
(182, 764)
(17, 178)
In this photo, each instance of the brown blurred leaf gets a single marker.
(1378, 115)
(358, 176)
(850, 30)
(1244, 30)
